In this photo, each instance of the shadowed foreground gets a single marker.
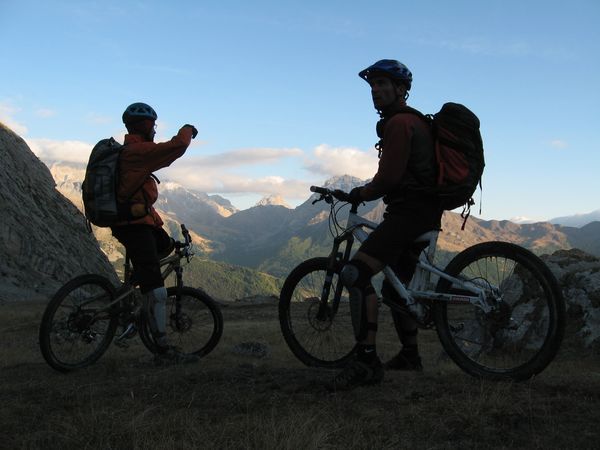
(230, 400)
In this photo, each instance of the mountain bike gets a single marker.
(497, 308)
(83, 317)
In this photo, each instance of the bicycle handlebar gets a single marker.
(328, 195)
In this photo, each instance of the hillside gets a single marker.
(227, 283)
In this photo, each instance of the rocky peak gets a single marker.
(343, 182)
(43, 237)
(272, 200)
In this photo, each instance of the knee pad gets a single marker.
(356, 277)
(356, 274)
(157, 306)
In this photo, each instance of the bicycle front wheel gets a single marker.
(522, 333)
(194, 322)
(77, 326)
(318, 331)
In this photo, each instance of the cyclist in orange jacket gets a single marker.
(143, 237)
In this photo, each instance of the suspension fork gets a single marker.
(336, 261)
(178, 288)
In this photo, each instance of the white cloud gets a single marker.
(244, 157)
(218, 181)
(45, 113)
(7, 112)
(233, 172)
(559, 144)
(484, 45)
(331, 161)
(66, 151)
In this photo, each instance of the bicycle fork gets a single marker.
(176, 317)
(336, 259)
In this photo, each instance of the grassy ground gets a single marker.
(232, 401)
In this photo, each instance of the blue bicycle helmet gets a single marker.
(137, 112)
(390, 67)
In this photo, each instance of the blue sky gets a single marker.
(272, 87)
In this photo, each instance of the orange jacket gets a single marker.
(139, 159)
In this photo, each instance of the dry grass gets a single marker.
(233, 401)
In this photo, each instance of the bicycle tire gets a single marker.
(523, 333)
(72, 337)
(318, 340)
(196, 329)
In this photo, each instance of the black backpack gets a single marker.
(100, 185)
(458, 154)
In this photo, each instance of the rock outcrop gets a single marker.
(578, 275)
(43, 238)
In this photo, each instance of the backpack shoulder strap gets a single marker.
(411, 110)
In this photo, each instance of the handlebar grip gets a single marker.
(319, 190)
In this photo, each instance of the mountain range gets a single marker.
(273, 238)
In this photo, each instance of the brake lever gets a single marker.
(327, 197)
(318, 199)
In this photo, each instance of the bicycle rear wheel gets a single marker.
(77, 326)
(524, 330)
(317, 333)
(194, 322)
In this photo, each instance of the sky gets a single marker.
(272, 87)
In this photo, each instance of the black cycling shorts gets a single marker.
(391, 241)
(145, 246)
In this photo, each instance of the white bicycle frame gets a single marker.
(420, 287)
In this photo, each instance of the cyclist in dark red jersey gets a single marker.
(406, 168)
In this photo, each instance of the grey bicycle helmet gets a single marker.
(137, 112)
(390, 67)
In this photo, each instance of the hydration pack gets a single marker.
(100, 185)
